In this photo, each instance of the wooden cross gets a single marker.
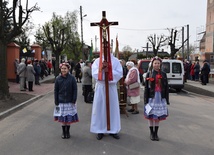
(104, 36)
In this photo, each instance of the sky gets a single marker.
(137, 19)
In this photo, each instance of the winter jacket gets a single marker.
(149, 91)
(205, 69)
(197, 68)
(30, 73)
(65, 89)
(87, 76)
(21, 69)
(132, 78)
(37, 69)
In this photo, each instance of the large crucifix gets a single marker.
(105, 45)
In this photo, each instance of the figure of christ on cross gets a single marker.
(107, 67)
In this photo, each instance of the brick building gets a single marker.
(207, 41)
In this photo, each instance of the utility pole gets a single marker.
(96, 43)
(112, 45)
(183, 43)
(81, 17)
(188, 42)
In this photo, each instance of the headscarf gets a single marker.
(130, 63)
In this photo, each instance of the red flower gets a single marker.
(150, 79)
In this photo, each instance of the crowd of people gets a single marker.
(91, 74)
(195, 72)
(30, 72)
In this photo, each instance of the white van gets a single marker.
(175, 73)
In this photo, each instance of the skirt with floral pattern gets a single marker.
(68, 113)
(159, 110)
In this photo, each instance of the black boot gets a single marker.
(151, 133)
(156, 133)
(68, 132)
(63, 132)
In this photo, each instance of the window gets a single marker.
(144, 66)
(166, 67)
(176, 68)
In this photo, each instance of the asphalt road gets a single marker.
(188, 130)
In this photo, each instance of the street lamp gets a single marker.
(81, 17)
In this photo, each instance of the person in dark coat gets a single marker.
(42, 65)
(186, 70)
(72, 65)
(156, 97)
(205, 70)
(37, 69)
(65, 96)
(53, 64)
(197, 70)
(78, 71)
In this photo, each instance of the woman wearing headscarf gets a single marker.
(133, 93)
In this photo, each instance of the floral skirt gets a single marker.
(67, 113)
(159, 110)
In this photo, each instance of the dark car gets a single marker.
(143, 67)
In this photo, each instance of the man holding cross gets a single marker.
(98, 119)
(107, 71)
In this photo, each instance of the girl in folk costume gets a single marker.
(156, 97)
(65, 94)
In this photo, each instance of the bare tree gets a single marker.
(157, 42)
(10, 26)
(172, 43)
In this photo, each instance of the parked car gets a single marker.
(143, 67)
(175, 73)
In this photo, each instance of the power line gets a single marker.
(139, 29)
(145, 29)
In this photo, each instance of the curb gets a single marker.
(21, 106)
(198, 91)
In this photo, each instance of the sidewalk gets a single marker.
(197, 87)
(41, 89)
(38, 92)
